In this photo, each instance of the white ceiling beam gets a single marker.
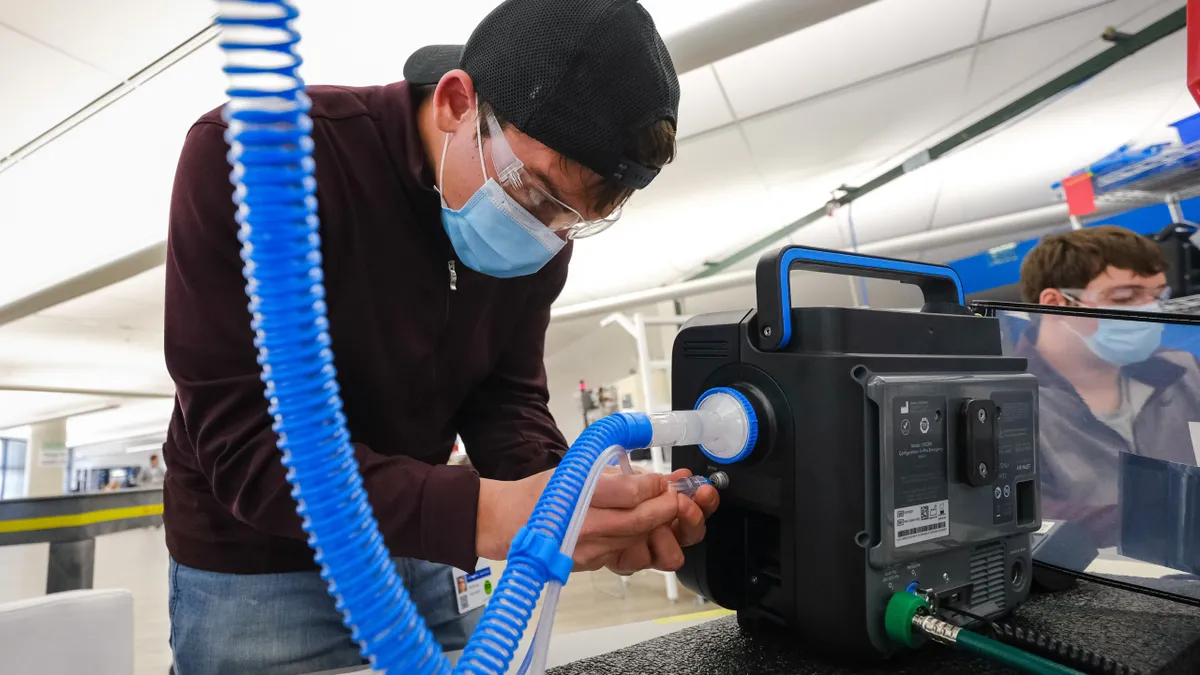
(60, 414)
(93, 280)
(105, 393)
(746, 27)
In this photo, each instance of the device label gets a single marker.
(1015, 449)
(472, 590)
(923, 522)
(921, 482)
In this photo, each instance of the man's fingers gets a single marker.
(707, 499)
(596, 562)
(665, 550)
(623, 491)
(680, 474)
(638, 521)
(689, 529)
(689, 512)
(633, 559)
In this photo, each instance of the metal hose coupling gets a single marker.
(937, 629)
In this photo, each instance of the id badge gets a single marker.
(472, 589)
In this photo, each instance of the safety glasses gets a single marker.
(1118, 296)
(531, 194)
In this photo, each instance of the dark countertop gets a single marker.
(1155, 636)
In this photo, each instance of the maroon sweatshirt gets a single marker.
(424, 348)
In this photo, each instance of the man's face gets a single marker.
(559, 193)
(154, 461)
(1114, 288)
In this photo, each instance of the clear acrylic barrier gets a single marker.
(1119, 440)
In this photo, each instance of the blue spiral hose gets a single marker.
(271, 154)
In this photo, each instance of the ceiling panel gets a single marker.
(702, 106)
(863, 124)
(49, 87)
(673, 16)
(105, 185)
(366, 42)
(875, 39)
(1007, 16)
(1010, 66)
(710, 200)
(902, 207)
(1013, 171)
(119, 38)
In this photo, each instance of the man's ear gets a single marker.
(1052, 296)
(453, 101)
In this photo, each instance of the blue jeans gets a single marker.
(286, 624)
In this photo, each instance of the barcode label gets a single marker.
(922, 522)
(918, 530)
(462, 603)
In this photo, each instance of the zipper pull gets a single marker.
(453, 275)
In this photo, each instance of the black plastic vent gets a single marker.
(706, 349)
(987, 575)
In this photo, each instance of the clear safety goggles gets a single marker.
(531, 194)
(1119, 296)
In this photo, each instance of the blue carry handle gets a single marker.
(939, 283)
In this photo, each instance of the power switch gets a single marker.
(977, 436)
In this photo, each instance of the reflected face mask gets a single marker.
(1122, 343)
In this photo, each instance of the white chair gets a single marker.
(68, 634)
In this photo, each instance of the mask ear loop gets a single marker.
(442, 166)
(446, 148)
(479, 140)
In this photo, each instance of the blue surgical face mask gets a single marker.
(1122, 343)
(494, 235)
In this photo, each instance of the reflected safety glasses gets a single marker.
(531, 194)
(1118, 296)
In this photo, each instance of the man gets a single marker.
(448, 204)
(1106, 385)
(154, 474)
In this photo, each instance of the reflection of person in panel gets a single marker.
(1106, 386)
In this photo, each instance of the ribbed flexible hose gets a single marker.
(273, 174)
(1083, 660)
(271, 153)
(1011, 656)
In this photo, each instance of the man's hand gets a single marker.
(625, 510)
(663, 549)
(634, 522)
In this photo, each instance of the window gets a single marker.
(12, 468)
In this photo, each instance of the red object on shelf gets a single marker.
(1081, 196)
(1193, 48)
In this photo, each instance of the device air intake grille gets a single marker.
(987, 575)
(706, 349)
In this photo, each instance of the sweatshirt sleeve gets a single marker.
(424, 511)
(506, 422)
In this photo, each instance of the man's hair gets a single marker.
(652, 146)
(1073, 259)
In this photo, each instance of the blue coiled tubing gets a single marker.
(271, 154)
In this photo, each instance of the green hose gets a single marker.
(908, 619)
(1010, 656)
